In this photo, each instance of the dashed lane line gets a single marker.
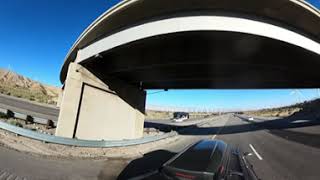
(255, 152)
(214, 136)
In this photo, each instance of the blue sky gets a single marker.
(231, 99)
(315, 3)
(35, 36)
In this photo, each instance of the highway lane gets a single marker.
(282, 148)
(51, 112)
(21, 165)
(170, 122)
(24, 166)
(276, 152)
(29, 108)
(151, 161)
(275, 156)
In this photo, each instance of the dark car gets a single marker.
(208, 159)
(177, 115)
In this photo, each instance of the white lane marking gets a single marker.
(214, 136)
(300, 121)
(254, 150)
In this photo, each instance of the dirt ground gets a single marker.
(31, 126)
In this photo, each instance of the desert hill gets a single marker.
(17, 85)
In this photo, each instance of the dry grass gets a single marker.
(13, 84)
(158, 115)
(25, 93)
(307, 109)
(275, 112)
(164, 115)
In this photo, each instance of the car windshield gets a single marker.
(160, 89)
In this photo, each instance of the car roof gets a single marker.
(204, 156)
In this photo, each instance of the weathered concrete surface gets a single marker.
(94, 110)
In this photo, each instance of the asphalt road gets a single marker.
(170, 122)
(29, 108)
(51, 112)
(23, 166)
(282, 149)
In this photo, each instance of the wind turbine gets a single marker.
(298, 94)
(9, 67)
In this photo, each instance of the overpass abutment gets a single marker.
(95, 109)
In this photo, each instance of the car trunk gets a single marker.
(171, 173)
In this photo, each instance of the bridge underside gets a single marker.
(182, 44)
(104, 95)
(208, 59)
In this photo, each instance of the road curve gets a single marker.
(29, 108)
(278, 153)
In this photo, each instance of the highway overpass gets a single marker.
(182, 44)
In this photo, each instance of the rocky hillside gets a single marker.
(17, 85)
(308, 109)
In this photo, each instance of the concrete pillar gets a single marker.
(93, 109)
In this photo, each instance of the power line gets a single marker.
(157, 92)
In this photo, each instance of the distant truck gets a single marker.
(180, 116)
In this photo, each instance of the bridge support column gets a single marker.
(95, 109)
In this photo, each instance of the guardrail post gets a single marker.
(49, 124)
(10, 113)
(29, 120)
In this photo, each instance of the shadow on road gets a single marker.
(284, 123)
(159, 126)
(281, 123)
(279, 127)
(149, 162)
(299, 137)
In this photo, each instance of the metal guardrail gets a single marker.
(81, 143)
(24, 115)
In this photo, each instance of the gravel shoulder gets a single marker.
(37, 148)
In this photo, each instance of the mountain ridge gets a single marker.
(14, 84)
